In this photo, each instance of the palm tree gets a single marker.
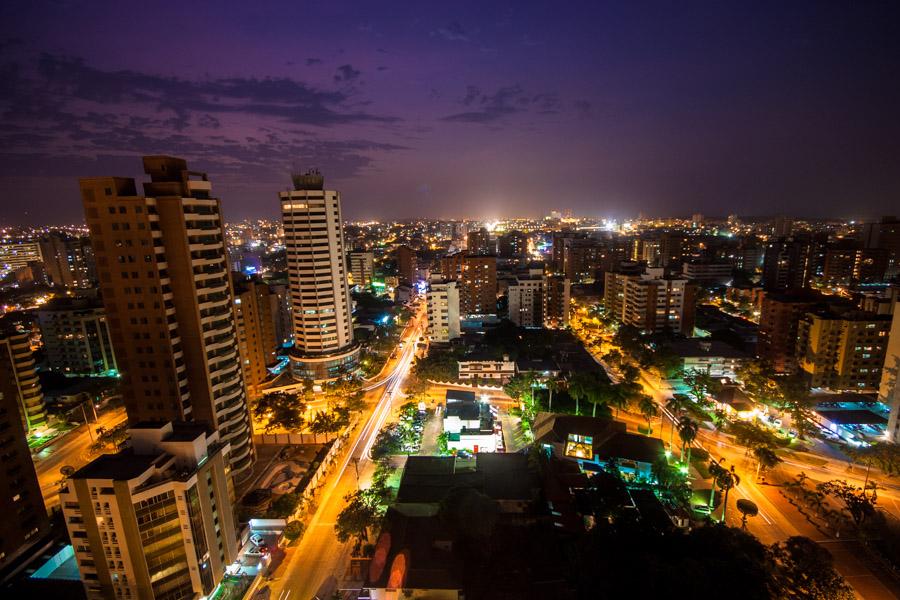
(647, 407)
(727, 479)
(619, 396)
(580, 389)
(687, 431)
(552, 384)
(677, 405)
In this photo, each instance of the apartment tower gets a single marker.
(164, 278)
(323, 327)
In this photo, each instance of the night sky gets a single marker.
(460, 109)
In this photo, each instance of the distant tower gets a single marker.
(323, 328)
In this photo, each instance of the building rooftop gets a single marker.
(704, 347)
(122, 466)
(852, 417)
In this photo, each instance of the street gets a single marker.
(315, 566)
(71, 450)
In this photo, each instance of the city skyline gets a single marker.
(449, 112)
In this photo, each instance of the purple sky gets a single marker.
(459, 109)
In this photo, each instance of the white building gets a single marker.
(468, 423)
(443, 311)
(324, 348)
(889, 391)
(499, 371)
(526, 301)
(154, 520)
(362, 268)
(655, 303)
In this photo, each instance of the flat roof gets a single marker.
(852, 417)
(122, 466)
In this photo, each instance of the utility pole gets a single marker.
(86, 423)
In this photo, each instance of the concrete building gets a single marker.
(889, 388)
(526, 301)
(255, 332)
(167, 291)
(19, 381)
(842, 351)
(406, 265)
(15, 254)
(557, 301)
(652, 302)
(154, 520)
(705, 355)
(478, 241)
(513, 244)
(362, 268)
(480, 368)
(324, 348)
(21, 409)
(708, 272)
(68, 261)
(443, 311)
(778, 323)
(280, 307)
(788, 264)
(468, 423)
(76, 336)
(886, 235)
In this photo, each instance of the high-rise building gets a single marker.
(846, 264)
(280, 301)
(614, 286)
(513, 244)
(557, 295)
(443, 311)
(25, 517)
(406, 265)
(782, 226)
(323, 328)
(788, 265)
(15, 254)
(362, 268)
(76, 336)
(167, 290)
(19, 379)
(842, 350)
(479, 242)
(478, 285)
(708, 271)
(889, 389)
(154, 520)
(778, 324)
(526, 301)
(68, 261)
(255, 332)
(653, 302)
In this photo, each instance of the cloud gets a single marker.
(506, 101)
(346, 73)
(61, 111)
(454, 32)
(311, 62)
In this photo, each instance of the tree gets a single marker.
(325, 422)
(765, 459)
(858, 505)
(648, 409)
(281, 411)
(701, 384)
(747, 508)
(293, 530)
(613, 357)
(357, 518)
(804, 570)
(687, 430)
(725, 479)
(885, 454)
(552, 384)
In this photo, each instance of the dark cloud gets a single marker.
(311, 62)
(346, 73)
(454, 32)
(506, 101)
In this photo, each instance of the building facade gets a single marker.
(654, 303)
(255, 332)
(406, 265)
(443, 311)
(324, 346)
(526, 301)
(155, 520)
(889, 388)
(362, 268)
(76, 337)
(19, 381)
(168, 295)
(68, 261)
(778, 324)
(557, 301)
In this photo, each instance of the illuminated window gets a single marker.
(580, 446)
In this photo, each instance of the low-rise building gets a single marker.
(476, 367)
(469, 424)
(708, 356)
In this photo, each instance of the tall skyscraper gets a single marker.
(323, 328)
(25, 517)
(166, 286)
